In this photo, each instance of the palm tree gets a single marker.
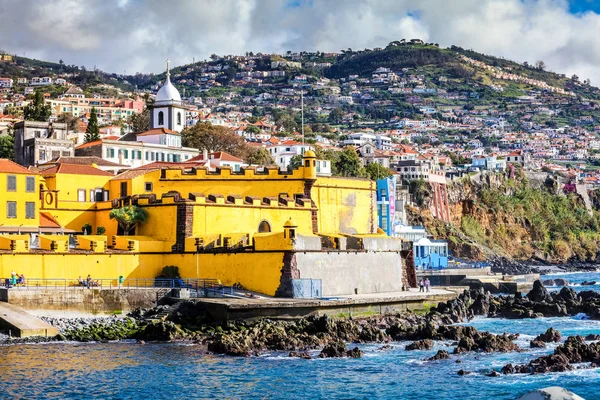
(128, 217)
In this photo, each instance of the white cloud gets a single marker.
(140, 35)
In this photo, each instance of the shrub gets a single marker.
(86, 228)
(170, 271)
(100, 230)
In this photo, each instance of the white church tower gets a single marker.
(168, 111)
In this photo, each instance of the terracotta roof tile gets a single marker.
(158, 131)
(48, 221)
(75, 169)
(89, 144)
(12, 167)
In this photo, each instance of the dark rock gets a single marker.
(586, 283)
(508, 369)
(551, 335)
(592, 337)
(355, 353)
(425, 344)
(440, 355)
(386, 347)
(539, 293)
(462, 372)
(334, 349)
(548, 282)
(302, 354)
(537, 344)
(561, 282)
(493, 373)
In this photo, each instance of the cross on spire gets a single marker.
(168, 71)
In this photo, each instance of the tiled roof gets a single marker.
(12, 167)
(218, 155)
(89, 144)
(86, 160)
(48, 221)
(158, 131)
(75, 169)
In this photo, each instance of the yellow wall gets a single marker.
(256, 271)
(346, 205)
(21, 197)
(69, 184)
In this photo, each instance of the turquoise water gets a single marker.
(176, 371)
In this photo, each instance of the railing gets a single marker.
(57, 283)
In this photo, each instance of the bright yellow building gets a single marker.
(19, 198)
(274, 232)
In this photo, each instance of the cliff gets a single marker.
(520, 218)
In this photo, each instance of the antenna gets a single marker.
(302, 113)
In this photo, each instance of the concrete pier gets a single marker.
(231, 309)
(22, 324)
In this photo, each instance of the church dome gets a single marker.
(168, 93)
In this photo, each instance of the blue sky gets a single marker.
(578, 6)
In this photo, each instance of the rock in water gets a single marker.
(551, 335)
(551, 393)
(355, 353)
(334, 349)
(440, 355)
(302, 354)
(425, 344)
(537, 344)
(548, 282)
(561, 282)
(539, 293)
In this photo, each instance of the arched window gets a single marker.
(264, 227)
(161, 118)
(179, 118)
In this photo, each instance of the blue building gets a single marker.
(386, 204)
(430, 254)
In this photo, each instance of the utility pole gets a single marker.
(302, 114)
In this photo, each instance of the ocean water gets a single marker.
(575, 279)
(127, 370)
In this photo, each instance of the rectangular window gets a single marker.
(42, 155)
(30, 210)
(11, 209)
(92, 195)
(148, 186)
(147, 156)
(81, 195)
(162, 156)
(126, 154)
(29, 184)
(384, 211)
(11, 183)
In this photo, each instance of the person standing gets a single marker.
(427, 284)
(421, 285)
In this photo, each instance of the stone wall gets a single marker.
(93, 301)
(344, 273)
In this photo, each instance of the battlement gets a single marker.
(283, 201)
(248, 173)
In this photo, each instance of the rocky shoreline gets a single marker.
(185, 322)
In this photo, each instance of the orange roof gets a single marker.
(158, 131)
(12, 167)
(89, 144)
(48, 221)
(218, 155)
(75, 169)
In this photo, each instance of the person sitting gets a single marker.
(19, 279)
(88, 281)
(80, 281)
(23, 280)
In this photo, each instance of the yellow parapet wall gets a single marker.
(16, 243)
(56, 243)
(260, 272)
(95, 243)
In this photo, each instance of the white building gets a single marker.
(283, 152)
(168, 111)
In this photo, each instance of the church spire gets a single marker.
(168, 70)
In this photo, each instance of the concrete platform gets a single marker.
(22, 324)
(229, 309)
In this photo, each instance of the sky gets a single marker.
(128, 36)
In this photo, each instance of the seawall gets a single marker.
(91, 301)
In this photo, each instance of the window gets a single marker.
(30, 184)
(126, 154)
(264, 227)
(148, 186)
(179, 118)
(11, 183)
(30, 210)
(42, 155)
(81, 195)
(11, 209)
(161, 118)
(147, 156)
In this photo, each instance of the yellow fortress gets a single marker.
(270, 231)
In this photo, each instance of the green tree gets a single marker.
(206, 136)
(92, 132)
(336, 115)
(128, 217)
(139, 122)
(259, 156)
(376, 171)
(252, 129)
(349, 164)
(37, 110)
(69, 119)
(7, 147)
(295, 162)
